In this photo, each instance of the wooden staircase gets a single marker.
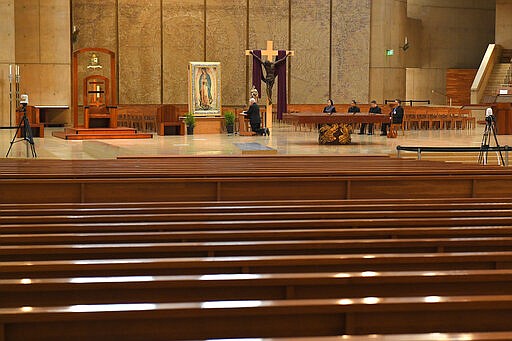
(100, 134)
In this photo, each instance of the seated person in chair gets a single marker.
(330, 108)
(374, 109)
(353, 107)
(253, 113)
(396, 116)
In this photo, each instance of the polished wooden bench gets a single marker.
(263, 234)
(280, 286)
(256, 264)
(251, 248)
(258, 318)
(494, 336)
(252, 206)
(219, 179)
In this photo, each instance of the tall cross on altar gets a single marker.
(269, 53)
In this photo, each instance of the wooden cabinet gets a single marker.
(503, 113)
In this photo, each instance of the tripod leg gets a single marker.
(18, 129)
(29, 136)
(498, 146)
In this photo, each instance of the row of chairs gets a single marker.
(439, 120)
(142, 122)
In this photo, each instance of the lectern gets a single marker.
(503, 113)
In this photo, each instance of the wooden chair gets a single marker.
(99, 113)
(424, 118)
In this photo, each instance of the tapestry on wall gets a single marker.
(204, 88)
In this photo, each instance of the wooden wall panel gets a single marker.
(458, 85)
(225, 43)
(309, 72)
(139, 51)
(183, 42)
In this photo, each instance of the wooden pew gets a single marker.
(258, 318)
(251, 206)
(264, 234)
(278, 178)
(280, 286)
(494, 336)
(251, 248)
(256, 264)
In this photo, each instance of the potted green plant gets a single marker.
(230, 122)
(190, 122)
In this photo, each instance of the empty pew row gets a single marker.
(251, 206)
(255, 235)
(258, 318)
(256, 264)
(494, 336)
(279, 286)
(251, 248)
(226, 178)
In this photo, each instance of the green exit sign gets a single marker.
(390, 52)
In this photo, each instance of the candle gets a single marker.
(10, 70)
(17, 70)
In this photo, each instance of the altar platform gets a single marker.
(99, 134)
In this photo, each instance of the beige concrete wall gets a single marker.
(7, 56)
(42, 49)
(454, 34)
(503, 23)
(388, 31)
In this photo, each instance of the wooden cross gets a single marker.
(270, 53)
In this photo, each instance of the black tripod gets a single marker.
(490, 129)
(25, 132)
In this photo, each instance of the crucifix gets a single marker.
(271, 74)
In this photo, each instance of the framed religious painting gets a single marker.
(204, 88)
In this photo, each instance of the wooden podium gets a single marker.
(503, 113)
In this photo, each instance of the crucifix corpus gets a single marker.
(271, 72)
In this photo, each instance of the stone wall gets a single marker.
(155, 40)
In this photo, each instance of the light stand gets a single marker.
(489, 131)
(24, 129)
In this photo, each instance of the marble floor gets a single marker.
(283, 138)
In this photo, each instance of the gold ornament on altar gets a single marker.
(94, 62)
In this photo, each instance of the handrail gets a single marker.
(489, 60)
(410, 101)
(419, 150)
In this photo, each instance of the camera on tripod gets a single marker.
(24, 129)
(490, 132)
(24, 101)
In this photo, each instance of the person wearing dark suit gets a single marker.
(330, 108)
(374, 109)
(253, 113)
(396, 117)
(353, 107)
